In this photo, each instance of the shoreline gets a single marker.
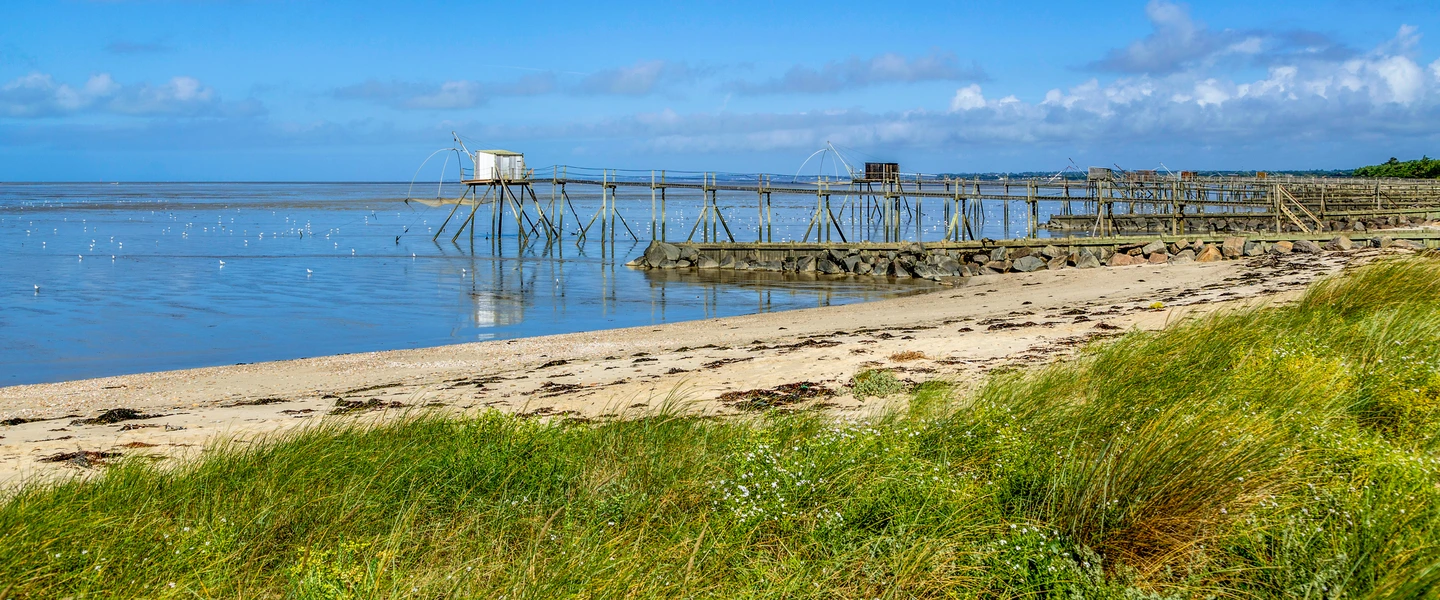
(962, 333)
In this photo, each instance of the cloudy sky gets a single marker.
(219, 90)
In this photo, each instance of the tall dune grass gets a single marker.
(1280, 452)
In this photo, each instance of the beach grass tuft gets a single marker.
(1286, 451)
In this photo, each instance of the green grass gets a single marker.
(1284, 452)
(875, 383)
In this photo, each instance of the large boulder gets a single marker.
(1210, 253)
(1306, 246)
(1026, 264)
(705, 262)
(805, 264)
(1057, 263)
(1154, 248)
(1086, 259)
(999, 254)
(1254, 248)
(1339, 243)
(1233, 247)
(1052, 251)
(658, 252)
(1184, 256)
(1282, 247)
(999, 266)
(727, 263)
(688, 252)
(898, 270)
(825, 266)
(1121, 259)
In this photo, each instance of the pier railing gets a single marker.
(849, 207)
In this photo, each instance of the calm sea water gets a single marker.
(145, 277)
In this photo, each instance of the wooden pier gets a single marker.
(889, 208)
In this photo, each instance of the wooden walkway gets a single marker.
(1099, 208)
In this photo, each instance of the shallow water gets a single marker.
(145, 277)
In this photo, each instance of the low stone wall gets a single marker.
(914, 260)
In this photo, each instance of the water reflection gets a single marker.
(161, 276)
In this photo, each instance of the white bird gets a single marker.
(37, 288)
(222, 263)
(308, 271)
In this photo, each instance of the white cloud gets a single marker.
(1179, 43)
(640, 79)
(39, 95)
(1379, 95)
(968, 98)
(451, 94)
(454, 94)
(1402, 76)
(856, 72)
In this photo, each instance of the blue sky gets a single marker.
(364, 91)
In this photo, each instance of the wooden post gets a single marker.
(1031, 215)
(769, 219)
(919, 233)
(560, 215)
(759, 207)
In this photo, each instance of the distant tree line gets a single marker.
(1424, 168)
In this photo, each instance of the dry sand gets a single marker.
(962, 331)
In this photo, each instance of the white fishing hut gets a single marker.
(498, 165)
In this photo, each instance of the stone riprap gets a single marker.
(1225, 224)
(915, 260)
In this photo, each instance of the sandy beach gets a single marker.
(958, 332)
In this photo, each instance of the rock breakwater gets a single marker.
(914, 260)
